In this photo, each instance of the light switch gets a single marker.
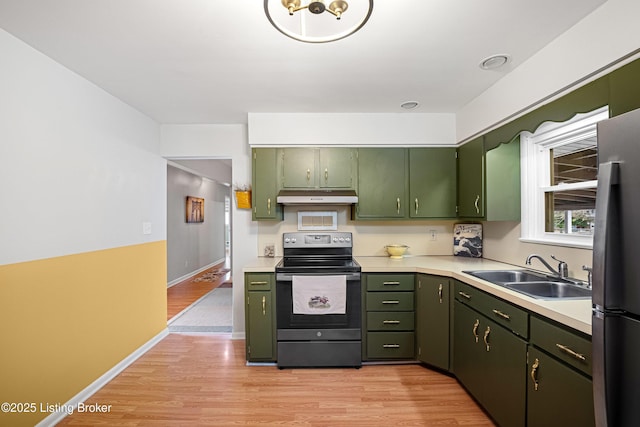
(146, 227)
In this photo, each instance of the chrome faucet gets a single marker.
(563, 268)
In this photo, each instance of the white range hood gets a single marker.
(317, 197)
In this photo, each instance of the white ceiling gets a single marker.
(213, 61)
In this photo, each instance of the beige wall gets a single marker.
(502, 243)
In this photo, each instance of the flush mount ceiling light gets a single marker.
(308, 22)
(409, 105)
(494, 61)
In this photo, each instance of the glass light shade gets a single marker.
(318, 28)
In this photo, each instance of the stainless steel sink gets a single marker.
(507, 276)
(536, 285)
(550, 289)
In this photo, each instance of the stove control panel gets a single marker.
(317, 240)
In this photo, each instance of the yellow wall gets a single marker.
(65, 321)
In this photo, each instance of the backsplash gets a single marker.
(369, 237)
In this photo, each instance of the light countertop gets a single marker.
(573, 313)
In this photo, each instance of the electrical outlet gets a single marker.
(433, 234)
(146, 227)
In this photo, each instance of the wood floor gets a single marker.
(183, 294)
(203, 380)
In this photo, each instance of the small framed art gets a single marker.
(195, 209)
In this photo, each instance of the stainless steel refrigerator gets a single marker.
(616, 274)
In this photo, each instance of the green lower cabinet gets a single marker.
(433, 299)
(260, 317)
(490, 362)
(557, 395)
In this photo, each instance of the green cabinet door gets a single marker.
(471, 179)
(265, 185)
(503, 182)
(336, 167)
(489, 360)
(382, 178)
(260, 317)
(299, 168)
(557, 395)
(432, 320)
(432, 182)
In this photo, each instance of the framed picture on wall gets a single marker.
(195, 209)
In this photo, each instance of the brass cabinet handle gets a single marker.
(462, 294)
(391, 345)
(308, 175)
(398, 204)
(534, 374)
(417, 205)
(476, 203)
(269, 205)
(475, 329)
(391, 302)
(390, 283)
(264, 305)
(326, 174)
(391, 322)
(440, 293)
(257, 283)
(501, 314)
(570, 352)
(486, 337)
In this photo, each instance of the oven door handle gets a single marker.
(288, 277)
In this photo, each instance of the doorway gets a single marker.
(199, 293)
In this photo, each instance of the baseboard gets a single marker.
(238, 335)
(92, 388)
(193, 273)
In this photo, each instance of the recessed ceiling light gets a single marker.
(494, 61)
(409, 105)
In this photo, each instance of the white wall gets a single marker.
(222, 141)
(81, 170)
(406, 129)
(601, 38)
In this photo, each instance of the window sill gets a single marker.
(569, 243)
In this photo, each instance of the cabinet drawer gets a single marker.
(391, 321)
(258, 281)
(503, 313)
(390, 282)
(563, 344)
(389, 301)
(390, 345)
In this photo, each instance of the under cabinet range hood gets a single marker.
(317, 197)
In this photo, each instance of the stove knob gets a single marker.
(286, 240)
(335, 239)
(293, 240)
(342, 239)
(347, 239)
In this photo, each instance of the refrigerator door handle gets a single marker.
(600, 396)
(608, 176)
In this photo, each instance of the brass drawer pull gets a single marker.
(476, 204)
(417, 205)
(501, 314)
(264, 305)
(391, 302)
(534, 374)
(572, 353)
(269, 206)
(462, 294)
(391, 345)
(390, 283)
(258, 283)
(398, 204)
(486, 337)
(440, 293)
(326, 174)
(475, 329)
(391, 322)
(308, 175)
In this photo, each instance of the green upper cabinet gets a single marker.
(265, 185)
(489, 182)
(432, 182)
(305, 168)
(503, 182)
(471, 179)
(382, 183)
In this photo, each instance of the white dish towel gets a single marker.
(319, 294)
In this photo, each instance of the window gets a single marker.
(559, 181)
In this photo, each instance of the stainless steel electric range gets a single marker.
(318, 301)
